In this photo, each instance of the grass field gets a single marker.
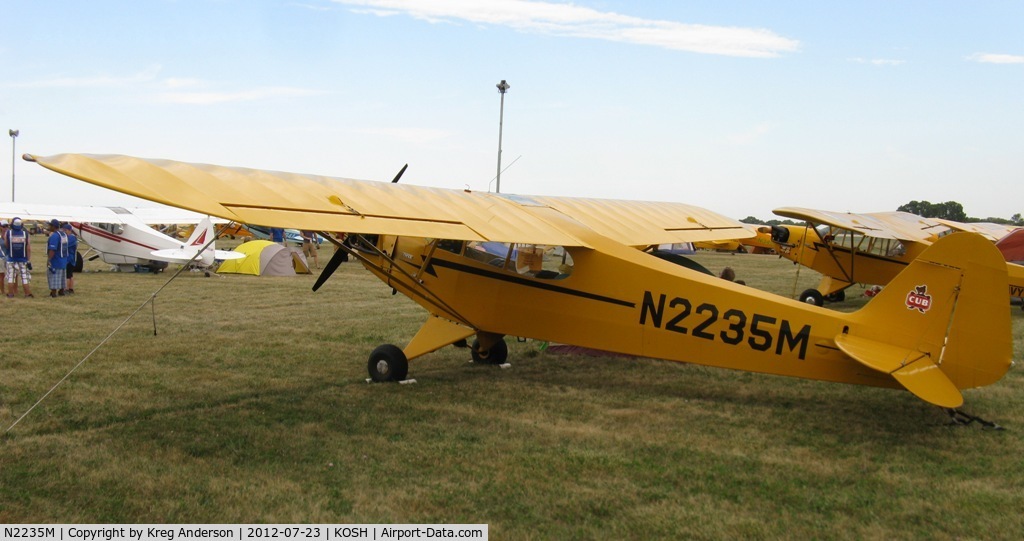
(250, 405)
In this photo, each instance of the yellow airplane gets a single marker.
(725, 245)
(761, 243)
(872, 248)
(576, 271)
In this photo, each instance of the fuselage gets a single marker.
(619, 299)
(844, 258)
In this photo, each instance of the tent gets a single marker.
(265, 258)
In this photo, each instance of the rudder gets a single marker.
(942, 324)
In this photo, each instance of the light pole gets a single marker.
(502, 88)
(14, 137)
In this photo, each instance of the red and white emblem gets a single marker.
(919, 299)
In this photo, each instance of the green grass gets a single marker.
(250, 405)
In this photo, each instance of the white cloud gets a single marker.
(183, 83)
(311, 7)
(878, 61)
(992, 58)
(145, 76)
(208, 98)
(576, 21)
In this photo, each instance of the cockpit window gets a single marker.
(535, 260)
(453, 246)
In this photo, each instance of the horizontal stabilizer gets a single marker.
(912, 369)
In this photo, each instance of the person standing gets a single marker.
(19, 253)
(3, 258)
(309, 247)
(56, 260)
(72, 265)
(277, 235)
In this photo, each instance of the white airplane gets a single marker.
(123, 237)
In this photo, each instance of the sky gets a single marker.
(740, 107)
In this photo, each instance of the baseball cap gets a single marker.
(67, 225)
(4, 223)
(16, 222)
(55, 223)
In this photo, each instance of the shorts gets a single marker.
(18, 267)
(56, 278)
(308, 248)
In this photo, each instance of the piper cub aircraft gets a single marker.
(577, 271)
(124, 237)
(870, 248)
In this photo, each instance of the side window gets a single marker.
(544, 262)
(453, 246)
(534, 260)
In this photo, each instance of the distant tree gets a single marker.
(921, 208)
(787, 221)
(950, 210)
(753, 220)
(1017, 219)
(993, 220)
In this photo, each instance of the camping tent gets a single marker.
(265, 258)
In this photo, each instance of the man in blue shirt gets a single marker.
(277, 235)
(72, 257)
(56, 260)
(4, 224)
(19, 252)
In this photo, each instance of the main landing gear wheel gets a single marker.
(812, 296)
(498, 353)
(838, 296)
(387, 363)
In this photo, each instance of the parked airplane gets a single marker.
(848, 248)
(124, 237)
(933, 331)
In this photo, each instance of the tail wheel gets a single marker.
(387, 363)
(498, 353)
(812, 296)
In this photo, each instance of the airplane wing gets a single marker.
(182, 256)
(885, 225)
(988, 230)
(99, 215)
(64, 213)
(338, 204)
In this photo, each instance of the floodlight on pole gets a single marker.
(14, 136)
(502, 88)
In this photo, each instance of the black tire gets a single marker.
(387, 363)
(812, 296)
(838, 296)
(498, 353)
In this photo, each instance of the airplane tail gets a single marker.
(942, 325)
(202, 234)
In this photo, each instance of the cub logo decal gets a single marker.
(919, 299)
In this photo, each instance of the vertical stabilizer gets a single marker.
(942, 324)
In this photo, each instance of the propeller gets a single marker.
(329, 268)
(339, 255)
(400, 173)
